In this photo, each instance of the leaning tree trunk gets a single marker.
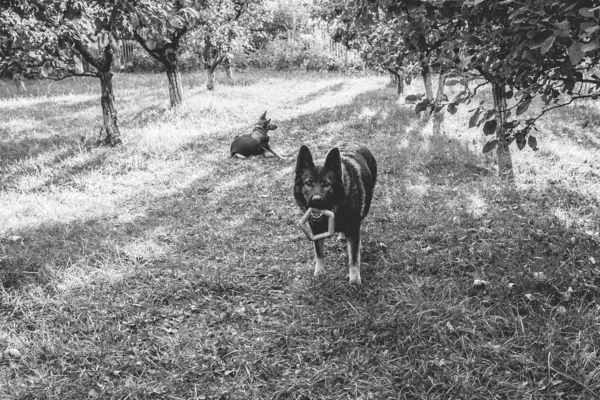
(175, 89)
(504, 159)
(109, 113)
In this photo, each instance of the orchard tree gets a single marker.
(226, 27)
(51, 38)
(159, 27)
(526, 49)
(523, 48)
(397, 35)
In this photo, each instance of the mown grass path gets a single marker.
(165, 269)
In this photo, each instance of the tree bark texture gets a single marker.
(109, 112)
(175, 87)
(438, 117)
(228, 69)
(504, 158)
(426, 73)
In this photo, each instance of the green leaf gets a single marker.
(489, 128)
(522, 107)
(511, 124)
(563, 29)
(422, 106)
(576, 54)
(176, 23)
(473, 119)
(540, 38)
(521, 142)
(532, 142)
(586, 12)
(103, 40)
(593, 45)
(548, 44)
(452, 108)
(99, 22)
(46, 69)
(490, 145)
(452, 82)
(508, 94)
(151, 43)
(411, 98)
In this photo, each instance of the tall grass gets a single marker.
(165, 269)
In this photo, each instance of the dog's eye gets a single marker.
(326, 184)
(308, 183)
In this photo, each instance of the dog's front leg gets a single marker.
(268, 148)
(319, 257)
(353, 246)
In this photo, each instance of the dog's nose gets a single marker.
(317, 200)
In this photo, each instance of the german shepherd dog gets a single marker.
(342, 184)
(256, 142)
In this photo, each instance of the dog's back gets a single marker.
(256, 142)
(359, 173)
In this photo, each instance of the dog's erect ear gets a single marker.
(264, 116)
(304, 160)
(333, 161)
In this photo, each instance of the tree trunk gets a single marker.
(175, 89)
(504, 159)
(426, 73)
(438, 117)
(228, 68)
(109, 113)
(400, 85)
(210, 78)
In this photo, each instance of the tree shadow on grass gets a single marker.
(321, 92)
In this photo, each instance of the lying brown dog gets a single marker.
(256, 142)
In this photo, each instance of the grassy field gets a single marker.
(164, 269)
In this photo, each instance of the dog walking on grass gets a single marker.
(256, 142)
(343, 185)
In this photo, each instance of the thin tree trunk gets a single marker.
(504, 159)
(210, 78)
(400, 84)
(175, 89)
(426, 73)
(228, 69)
(438, 117)
(109, 113)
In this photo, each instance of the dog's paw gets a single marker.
(319, 266)
(354, 276)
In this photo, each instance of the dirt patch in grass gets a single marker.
(165, 269)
